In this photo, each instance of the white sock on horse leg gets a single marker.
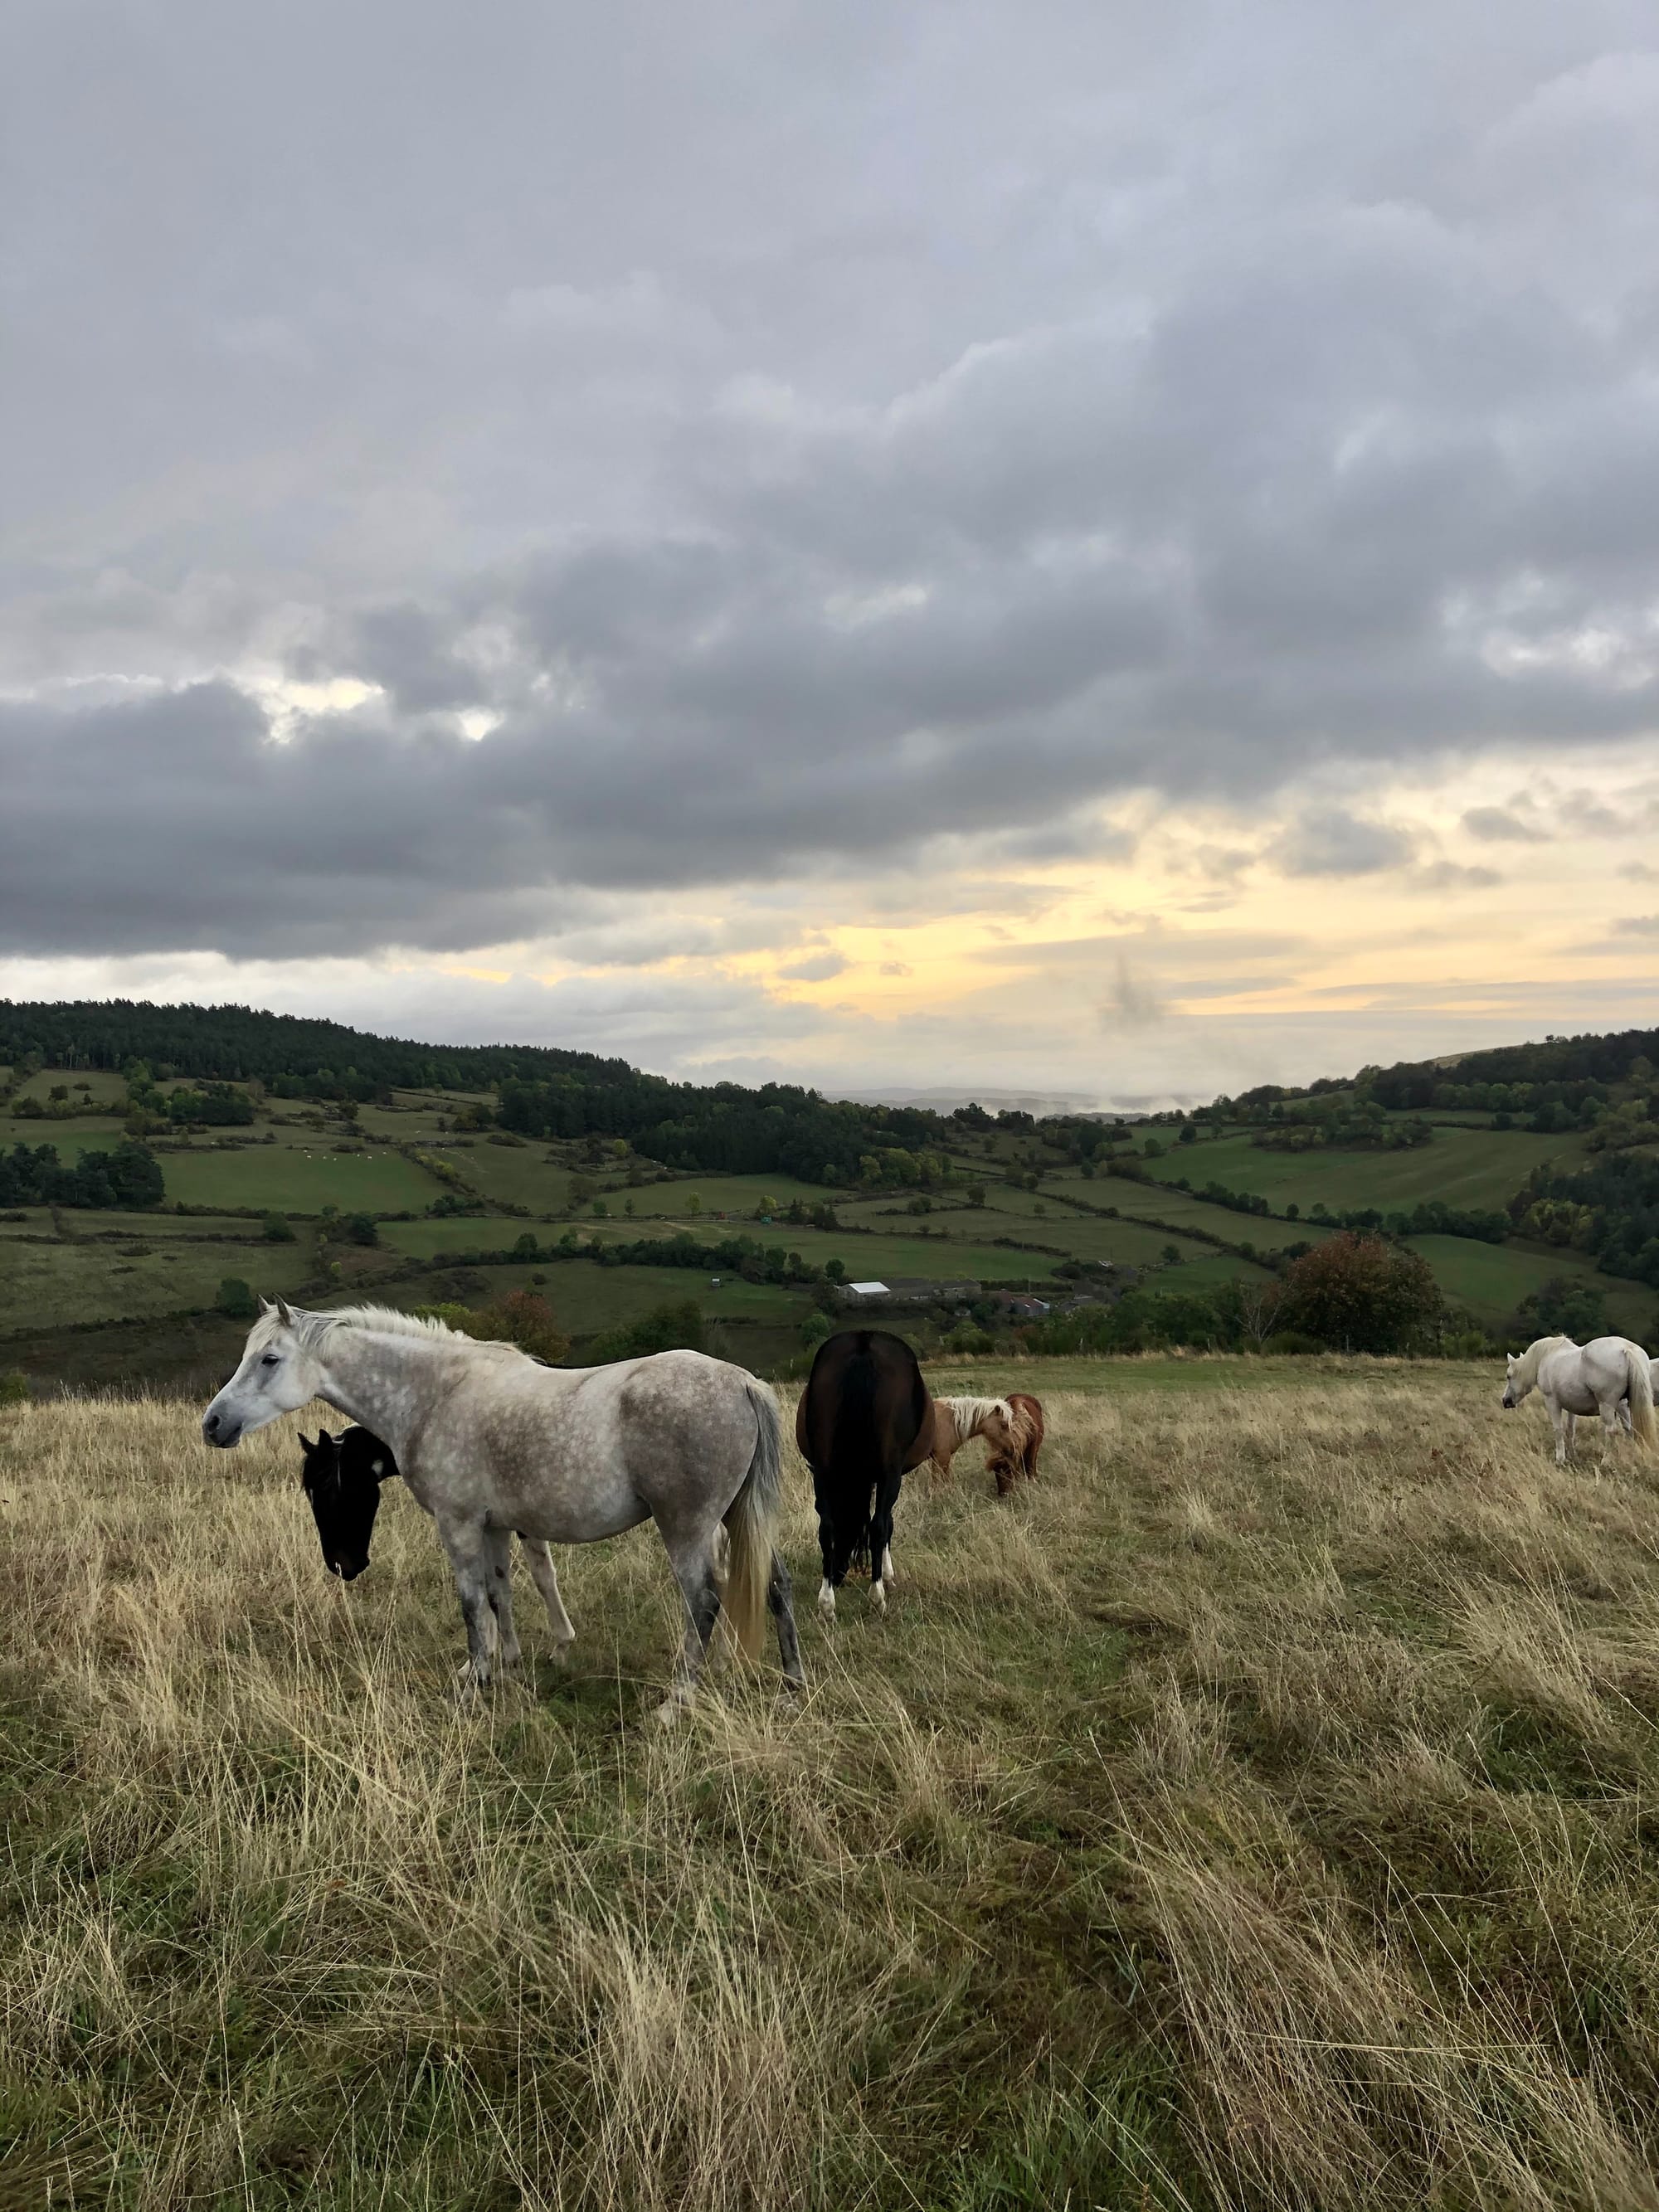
(826, 1601)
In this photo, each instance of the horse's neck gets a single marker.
(384, 1382)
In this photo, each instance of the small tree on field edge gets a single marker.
(1361, 1293)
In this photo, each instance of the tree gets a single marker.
(1188, 1134)
(976, 1193)
(360, 1229)
(676, 1325)
(524, 1318)
(277, 1229)
(236, 1299)
(1360, 1293)
(1562, 1307)
(835, 1270)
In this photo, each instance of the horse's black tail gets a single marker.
(855, 1447)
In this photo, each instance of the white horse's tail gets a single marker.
(750, 1519)
(1640, 1376)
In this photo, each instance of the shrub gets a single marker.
(236, 1299)
(1359, 1293)
(277, 1229)
(676, 1326)
(521, 1317)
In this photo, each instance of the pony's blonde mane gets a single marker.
(314, 1329)
(970, 1414)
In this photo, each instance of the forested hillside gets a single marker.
(160, 1165)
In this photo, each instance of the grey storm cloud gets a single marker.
(733, 449)
(1330, 841)
(1497, 825)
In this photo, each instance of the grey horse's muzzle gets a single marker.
(216, 1430)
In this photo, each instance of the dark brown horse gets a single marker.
(864, 1419)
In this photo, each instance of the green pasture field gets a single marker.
(1208, 1269)
(468, 1232)
(1492, 1280)
(296, 1178)
(87, 1133)
(1464, 1167)
(737, 1196)
(1179, 1207)
(587, 1297)
(508, 1174)
(1202, 1373)
(50, 1285)
(108, 1091)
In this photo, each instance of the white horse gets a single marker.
(491, 1440)
(1610, 1376)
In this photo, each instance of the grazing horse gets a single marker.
(1610, 1377)
(1012, 1428)
(1016, 1441)
(342, 1477)
(955, 1421)
(864, 1419)
(488, 1440)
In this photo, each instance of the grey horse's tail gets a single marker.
(749, 1520)
(1640, 1376)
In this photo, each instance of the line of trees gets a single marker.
(1353, 1293)
(1610, 1208)
(128, 1179)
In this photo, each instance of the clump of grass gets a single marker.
(1253, 1812)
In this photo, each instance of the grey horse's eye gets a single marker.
(271, 1359)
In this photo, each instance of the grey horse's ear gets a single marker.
(283, 1314)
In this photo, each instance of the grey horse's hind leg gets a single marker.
(694, 1571)
(539, 1559)
(467, 1545)
(783, 1611)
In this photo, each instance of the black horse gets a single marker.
(864, 1419)
(342, 1477)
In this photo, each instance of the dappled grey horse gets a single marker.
(491, 1440)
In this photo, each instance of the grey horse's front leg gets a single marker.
(498, 1552)
(1565, 1424)
(468, 1546)
(539, 1559)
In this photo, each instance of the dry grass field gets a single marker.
(1259, 1812)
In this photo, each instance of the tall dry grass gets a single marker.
(1256, 1813)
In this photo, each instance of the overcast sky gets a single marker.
(1109, 549)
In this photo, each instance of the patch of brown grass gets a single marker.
(1253, 1812)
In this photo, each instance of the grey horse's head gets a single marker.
(1514, 1388)
(278, 1374)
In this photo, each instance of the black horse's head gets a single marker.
(342, 1477)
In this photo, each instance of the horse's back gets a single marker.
(864, 1396)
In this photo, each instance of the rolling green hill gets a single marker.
(424, 1191)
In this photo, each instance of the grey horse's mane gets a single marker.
(1527, 1366)
(313, 1329)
